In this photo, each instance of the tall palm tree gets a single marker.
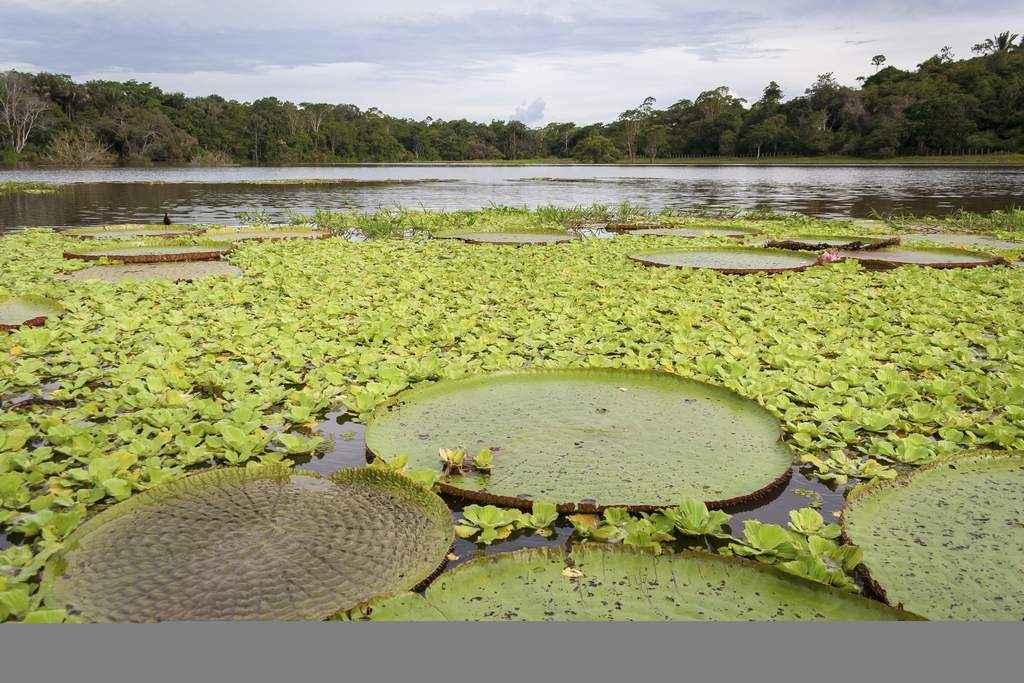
(1002, 42)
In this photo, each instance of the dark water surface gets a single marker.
(216, 195)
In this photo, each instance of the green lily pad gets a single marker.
(967, 239)
(127, 232)
(589, 438)
(151, 253)
(265, 543)
(696, 231)
(823, 242)
(730, 260)
(612, 583)
(516, 238)
(263, 235)
(179, 271)
(946, 542)
(26, 310)
(893, 257)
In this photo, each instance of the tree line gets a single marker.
(943, 106)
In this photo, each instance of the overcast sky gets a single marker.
(485, 59)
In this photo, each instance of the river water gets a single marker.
(216, 195)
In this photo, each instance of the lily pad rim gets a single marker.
(575, 551)
(640, 257)
(859, 493)
(36, 300)
(764, 493)
(213, 252)
(871, 261)
(54, 568)
(481, 237)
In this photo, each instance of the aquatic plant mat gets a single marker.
(730, 260)
(824, 242)
(694, 231)
(151, 254)
(516, 238)
(128, 232)
(27, 310)
(948, 541)
(589, 438)
(265, 543)
(180, 271)
(611, 583)
(263, 235)
(893, 257)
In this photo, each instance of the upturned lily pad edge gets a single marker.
(763, 494)
(572, 554)
(855, 244)
(36, 321)
(395, 482)
(863, 491)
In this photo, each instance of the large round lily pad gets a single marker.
(823, 242)
(967, 239)
(128, 232)
(180, 271)
(612, 583)
(696, 231)
(241, 544)
(515, 238)
(946, 542)
(589, 438)
(152, 253)
(730, 260)
(893, 257)
(263, 235)
(27, 310)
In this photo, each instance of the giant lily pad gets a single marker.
(730, 260)
(263, 235)
(823, 242)
(946, 542)
(244, 544)
(589, 438)
(611, 583)
(893, 257)
(151, 253)
(515, 238)
(180, 271)
(128, 232)
(696, 231)
(967, 239)
(26, 310)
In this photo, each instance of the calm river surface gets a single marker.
(216, 195)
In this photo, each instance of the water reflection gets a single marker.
(101, 196)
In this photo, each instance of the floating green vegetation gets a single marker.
(730, 260)
(869, 373)
(514, 238)
(129, 231)
(175, 271)
(250, 543)
(9, 187)
(588, 438)
(696, 231)
(601, 583)
(261, 234)
(27, 310)
(948, 541)
(893, 257)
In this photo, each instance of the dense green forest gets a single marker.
(944, 106)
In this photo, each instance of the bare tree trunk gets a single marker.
(20, 108)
